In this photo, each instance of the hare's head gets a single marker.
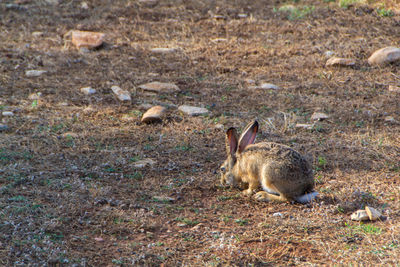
(235, 146)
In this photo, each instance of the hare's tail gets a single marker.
(307, 197)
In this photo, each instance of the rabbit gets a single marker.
(283, 173)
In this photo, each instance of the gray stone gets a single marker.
(7, 113)
(88, 90)
(269, 86)
(337, 61)
(34, 73)
(384, 56)
(193, 111)
(319, 116)
(159, 87)
(373, 214)
(122, 95)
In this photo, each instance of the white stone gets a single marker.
(269, 86)
(242, 16)
(37, 34)
(8, 113)
(159, 87)
(84, 5)
(373, 214)
(88, 90)
(34, 73)
(277, 214)
(384, 56)
(304, 125)
(359, 215)
(193, 111)
(337, 61)
(393, 88)
(319, 116)
(143, 163)
(163, 50)
(122, 95)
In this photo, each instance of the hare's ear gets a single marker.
(248, 136)
(231, 141)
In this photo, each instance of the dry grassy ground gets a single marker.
(70, 193)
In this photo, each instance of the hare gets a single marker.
(283, 173)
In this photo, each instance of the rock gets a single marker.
(319, 116)
(122, 95)
(3, 127)
(269, 86)
(164, 50)
(393, 88)
(304, 125)
(153, 114)
(337, 61)
(158, 87)
(143, 163)
(193, 111)
(242, 16)
(373, 214)
(390, 119)
(7, 113)
(86, 39)
(163, 199)
(181, 224)
(99, 239)
(384, 56)
(84, 5)
(34, 73)
(88, 90)
(37, 34)
(329, 53)
(277, 214)
(359, 215)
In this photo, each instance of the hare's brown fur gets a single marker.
(282, 172)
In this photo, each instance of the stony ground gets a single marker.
(74, 189)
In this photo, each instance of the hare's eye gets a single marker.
(223, 169)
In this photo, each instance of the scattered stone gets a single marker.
(373, 214)
(319, 116)
(329, 53)
(153, 114)
(384, 56)
(158, 87)
(359, 215)
(3, 127)
(164, 50)
(219, 40)
(143, 163)
(7, 113)
(88, 90)
(99, 239)
(389, 119)
(277, 214)
(122, 95)
(84, 5)
(86, 39)
(35, 96)
(163, 199)
(393, 88)
(193, 111)
(34, 73)
(304, 125)
(269, 86)
(37, 34)
(337, 61)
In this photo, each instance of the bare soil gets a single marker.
(71, 195)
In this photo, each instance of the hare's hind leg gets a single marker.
(265, 196)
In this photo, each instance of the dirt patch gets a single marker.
(71, 193)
